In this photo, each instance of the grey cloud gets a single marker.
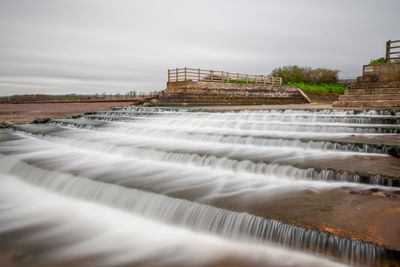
(87, 46)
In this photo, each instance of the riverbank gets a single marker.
(27, 112)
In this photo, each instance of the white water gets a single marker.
(245, 158)
(84, 233)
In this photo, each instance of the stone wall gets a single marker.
(380, 73)
(214, 93)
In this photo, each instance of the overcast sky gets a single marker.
(95, 46)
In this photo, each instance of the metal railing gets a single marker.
(199, 75)
(392, 50)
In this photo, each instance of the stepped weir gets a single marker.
(196, 87)
(183, 187)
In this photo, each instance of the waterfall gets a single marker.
(207, 177)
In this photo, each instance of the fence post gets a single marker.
(222, 75)
(176, 75)
(169, 73)
(388, 51)
(280, 80)
(256, 78)
(247, 78)
(211, 76)
(185, 73)
(264, 79)
(272, 80)
(227, 77)
(199, 74)
(237, 76)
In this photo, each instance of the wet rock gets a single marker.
(366, 192)
(394, 151)
(38, 120)
(4, 125)
(379, 194)
(147, 104)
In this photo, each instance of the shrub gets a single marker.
(377, 61)
(306, 75)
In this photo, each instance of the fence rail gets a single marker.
(190, 74)
(392, 50)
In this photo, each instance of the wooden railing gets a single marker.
(199, 75)
(392, 50)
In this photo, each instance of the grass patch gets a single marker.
(333, 88)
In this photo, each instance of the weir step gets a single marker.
(372, 85)
(391, 90)
(390, 104)
(369, 97)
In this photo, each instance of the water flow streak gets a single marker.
(197, 217)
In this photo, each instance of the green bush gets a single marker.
(377, 61)
(307, 75)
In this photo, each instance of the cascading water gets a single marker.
(200, 176)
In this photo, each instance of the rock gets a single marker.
(154, 101)
(366, 192)
(147, 104)
(4, 125)
(38, 120)
(394, 151)
(379, 194)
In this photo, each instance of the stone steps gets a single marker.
(375, 85)
(380, 98)
(374, 91)
(359, 97)
(378, 88)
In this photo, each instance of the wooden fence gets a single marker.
(189, 74)
(392, 50)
